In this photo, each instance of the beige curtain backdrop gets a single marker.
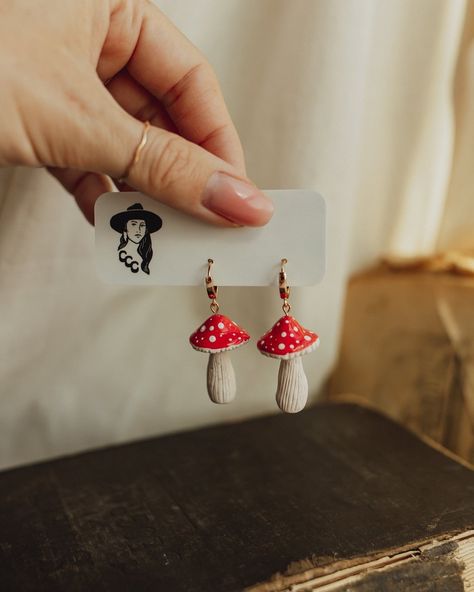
(370, 102)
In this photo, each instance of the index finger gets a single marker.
(169, 66)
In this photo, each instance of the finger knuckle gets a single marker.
(172, 160)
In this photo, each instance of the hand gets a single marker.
(78, 78)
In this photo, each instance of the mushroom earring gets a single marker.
(217, 336)
(287, 341)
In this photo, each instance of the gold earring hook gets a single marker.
(211, 288)
(283, 286)
(209, 265)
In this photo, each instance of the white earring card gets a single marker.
(140, 241)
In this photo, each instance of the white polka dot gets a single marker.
(230, 338)
(292, 346)
(307, 338)
(273, 349)
(211, 328)
(202, 329)
(281, 346)
(220, 325)
(278, 324)
(295, 329)
(297, 341)
(262, 342)
(212, 338)
(292, 334)
(284, 334)
(271, 336)
(287, 321)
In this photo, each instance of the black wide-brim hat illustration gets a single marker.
(136, 212)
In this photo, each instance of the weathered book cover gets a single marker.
(335, 498)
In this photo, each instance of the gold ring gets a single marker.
(138, 151)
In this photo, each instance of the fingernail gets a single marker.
(237, 200)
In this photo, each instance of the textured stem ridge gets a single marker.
(221, 384)
(292, 390)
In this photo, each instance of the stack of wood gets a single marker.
(408, 350)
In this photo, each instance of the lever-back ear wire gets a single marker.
(211, 288)
(284, 287)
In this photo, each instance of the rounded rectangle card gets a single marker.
(140, 241)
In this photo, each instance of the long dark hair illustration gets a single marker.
(135, 226)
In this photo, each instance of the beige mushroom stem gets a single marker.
(292, 389)
(221, 384)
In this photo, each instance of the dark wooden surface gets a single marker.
(223, 508)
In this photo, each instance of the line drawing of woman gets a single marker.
(135, 225)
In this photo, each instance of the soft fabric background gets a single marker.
(370, 102)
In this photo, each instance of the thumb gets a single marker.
(174, 171)
(187, 177)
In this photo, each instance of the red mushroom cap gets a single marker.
(287, 339)
(218, 334)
